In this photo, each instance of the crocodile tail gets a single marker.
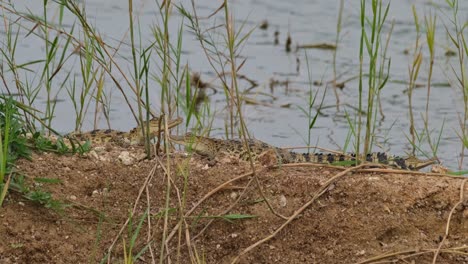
(329, 158)
(321, 158)
(286, 156)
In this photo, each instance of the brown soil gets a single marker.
(360, 216)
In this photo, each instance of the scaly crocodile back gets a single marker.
(133, 137)
(212, 147)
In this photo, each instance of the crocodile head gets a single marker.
(413, 163)
(156, 126)
(201, 145)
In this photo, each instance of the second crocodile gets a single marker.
(212, 147)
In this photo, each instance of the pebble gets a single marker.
(283, 201)
(233, 195)
(99, 149)
(93, 155)
(125, 158)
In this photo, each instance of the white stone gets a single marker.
(283, 201)
(126, 158)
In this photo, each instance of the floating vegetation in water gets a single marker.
(323, 46)
(264, 25)
(288, 43)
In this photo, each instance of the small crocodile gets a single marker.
(212, 147)
(133, 137)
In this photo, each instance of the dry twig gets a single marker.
(319, 193)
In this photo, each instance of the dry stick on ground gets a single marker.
(204, 198)
(416, 252)
(462, 198)
(142, 189)
(321, 191)
(390, 170)
(215, 190)
(173, 184)
(259, 186)
(412, 253)
(399, 171)
(227, 210)
(224, 212)
(211, 221)
(188, 242)
(148, 219)
(178, 198)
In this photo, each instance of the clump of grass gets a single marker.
(430, 22)
(224, 65)
(308, 111)
(133, 233)
(377, 73)
(14, 145)
(457, 36)
(413, 75)
(337, 40)
(12, 142)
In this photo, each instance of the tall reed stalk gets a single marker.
(337, 40)
(413, 72)
(457, 36)
(377, 75)
(430, 25)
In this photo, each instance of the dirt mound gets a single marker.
(358, 216)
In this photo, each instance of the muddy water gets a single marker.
(308, 22)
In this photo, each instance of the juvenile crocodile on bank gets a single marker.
(132, 137)
(212, 147)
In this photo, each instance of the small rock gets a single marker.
(234, 235)
(465, 213)
(104, 158)
(361, 253)
(126, 159)
(234, 195)
(99, 149)
(141, 156)
(21, 203)
(283, 201)
(93, 155)
(95, 193)
(72, 197)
